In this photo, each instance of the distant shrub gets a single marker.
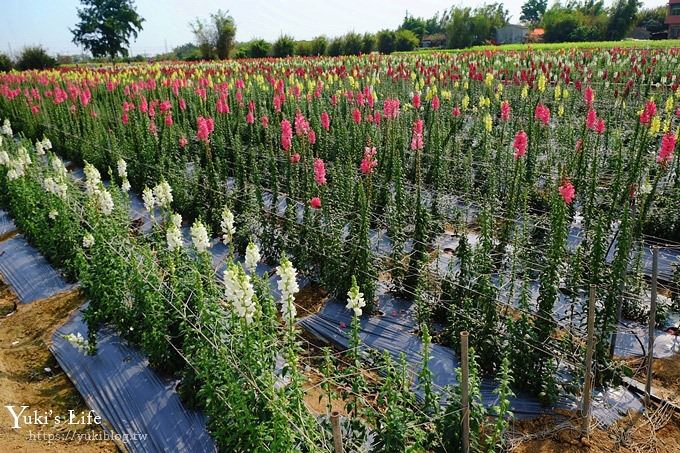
(334, 48)
(351, 44)
(259, 48)
(303, 48)
(319, 45)
(5, 63)
(284, 46)
(385, 40)
(35, 58)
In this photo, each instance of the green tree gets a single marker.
(284, 46)
(5, 63)
(188, 51)
(351, 44)
(414, 24)
(367, 43)
(319, 45)
(532, 11)
(215, 38)
(652, 19)
(106, 26)
(303, 48)
(258, 48)
(385, 41)
(406, 40)
(35, 58)
(335, 47)
(621, 18)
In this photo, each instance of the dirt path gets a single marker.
(30, 376)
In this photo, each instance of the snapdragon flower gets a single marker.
(355, 298)
(163, 194)
(104, 202)
(58, 166)
(7, 128)
(239, 291)
(4, 157)
(46, 143)
(23, 156)
(125, 187)
(77, 341)
(252, 257)
(52, 214)
(88, 241)
(173, 237)
(92, 179)
(176, 220)
(122, 169)
(227, 225)
(149, 200)
(39, 149)
(199, 236)
(288, 287)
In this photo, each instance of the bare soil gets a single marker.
(30, 376)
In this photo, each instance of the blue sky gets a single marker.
(46, 22)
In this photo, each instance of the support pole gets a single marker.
(619, 311)
(652, 323)
(588, 379)
(465, 390)
(337, 432)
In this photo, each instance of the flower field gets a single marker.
(487, 192)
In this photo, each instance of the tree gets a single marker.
(406, 40)
(5, 63)
(621, 18)
(385, 41)
(225, 30)
(415, 24)
(258, 48)
(215, 38)
(351, 44)
(318, 45)
(303, 48)
(532, 11)
(467, 27)
(652, 19)
(367, 43)
(334, 47)
(188, 51)
(35, 58)
(106, 26)
(284, 46)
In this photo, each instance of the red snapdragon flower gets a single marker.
(567, 191)
(668, 142)
(368, 163)
(315, 203)
(319, 172)
(520, 144)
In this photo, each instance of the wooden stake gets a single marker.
(619, 311)
(652, 323)
(337, 432)
(588, 379)
(464, 389)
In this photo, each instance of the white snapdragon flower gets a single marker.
(174, 238)
(176, 220)
(92, 179)
(52, 214)
(252, 257)
(122, 169)
(355, 299)
(46, 143)
(288, 287)
(39, 149)
(125, 187)
(163, 194)
(1, 140)
(23, 156)
(12, 175)
(77, 341)
(88, 241)
(578, 218)
(7, 128)
(58, 166)
(199, 236)
(149, 200)
(4, 157)
(239, 291)
(227, 225)
(104, 202)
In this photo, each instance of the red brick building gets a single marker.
(673, 19)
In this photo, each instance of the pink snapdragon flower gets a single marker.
(505, 110)
(286, 135)
(206, 126)
(315, 203)
(369, 162)
(666, 149)
(567, 191)
(319, 172)
(325, 121)
(542, 113)
(520, 144)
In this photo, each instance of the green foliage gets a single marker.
(318, 45)
(35, 58)
(258, 48)
(5, 63)
(532, 11)
(188, 52)
(284, 46)
(335, 47)
(352, 44)
(215, 38)
(405, 40)
(467, 26)
(621, 18)
(106, 26)
(386, 41)
(367, 43)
